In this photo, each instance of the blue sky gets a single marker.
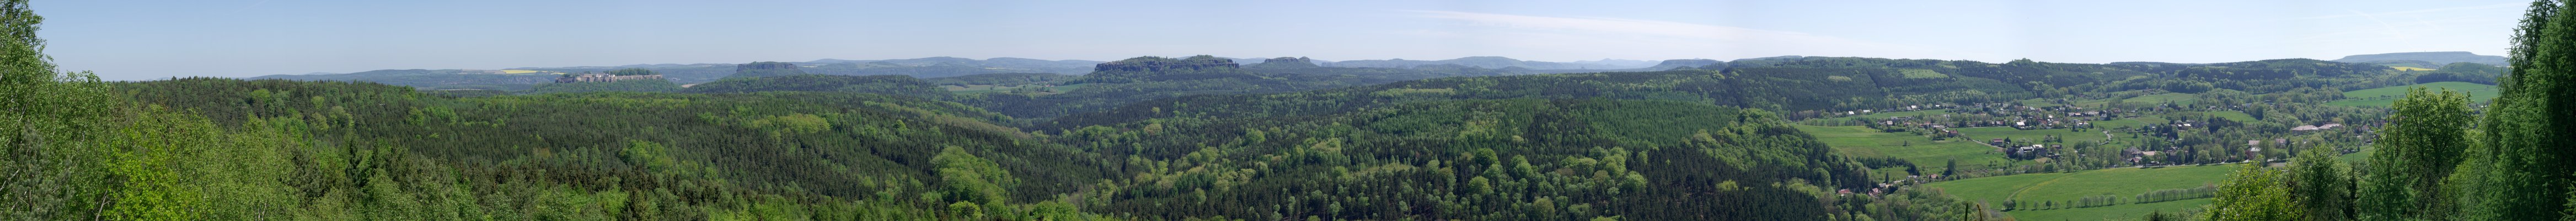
(137, 40)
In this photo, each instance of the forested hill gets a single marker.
(2429, 57)
(1117, 83)
(1157, 139)
(1777, 87)
(1485, 159)
(1480, 62)
(524, 77)
(875, 84)
(924, 67)
(868, 156)
(431, 78)
(657, 155)
(1789, 84)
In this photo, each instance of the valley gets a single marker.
(1922, 128)
(1165, 138)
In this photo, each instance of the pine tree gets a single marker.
(2529, 121)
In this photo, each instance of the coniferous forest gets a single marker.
(1207, 138)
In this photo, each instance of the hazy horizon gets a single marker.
(129, 41)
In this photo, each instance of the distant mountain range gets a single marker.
(933, 67)
(2433, 58)
(521, 78)
(421, 78)
(1024, 65)
(1619, 62)
(1496, 62)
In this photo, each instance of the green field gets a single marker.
(2019, 135)
(1885, 115)
(2119, 212)
(2121, 182)
(2175, 98)
(1992, 189)
(2124, 182)
(2037, 102)
(1928, 156)
(2357, 157)
(2382, 97)
(2151, 120)
(1932, 112)
(2131, 123)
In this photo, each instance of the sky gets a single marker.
(142, 40)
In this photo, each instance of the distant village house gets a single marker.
(599, 77)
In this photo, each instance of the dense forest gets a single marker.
(1205, 138)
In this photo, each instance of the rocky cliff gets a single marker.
(1285, 63)
(1150, 68)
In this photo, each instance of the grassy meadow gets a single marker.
(2119, 212)
(2119, 182)
(2382, 97)
(1928, 155)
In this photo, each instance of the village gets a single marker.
(2065, 136)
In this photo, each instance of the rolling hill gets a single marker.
(2445, 57)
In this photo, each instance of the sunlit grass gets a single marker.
(1928, 156)
(2032, 189)
(2382, 97)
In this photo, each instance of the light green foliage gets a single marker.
(154, 188)
(2414, 154)
(972, 179)
(2252, 193)
(654, 156)
(965, 210)
(51, 169)
(1922, 73)
(74, 152)
(1480, 186)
